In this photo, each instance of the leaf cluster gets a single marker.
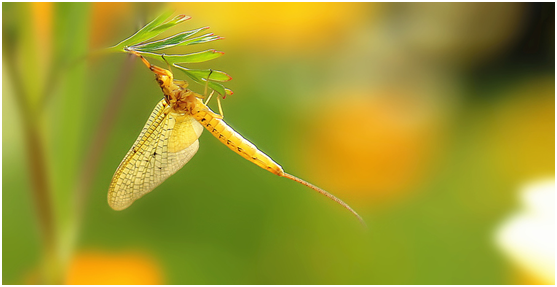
(141, 42)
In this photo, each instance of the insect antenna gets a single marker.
(325, 193)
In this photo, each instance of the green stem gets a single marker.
(90, 165)
(40, 187)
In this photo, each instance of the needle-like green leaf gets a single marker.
(175, 21)
(187, 58)
(167, 42)
(176, 40)
(161, 28)
(138, 43)
(215, 75)
(202, 39)
(139, 36)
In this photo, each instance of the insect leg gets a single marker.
(181, 83)
(221, 116)
(209, 98)
(207, 83)
(167, 63)
(220, 107)
(215, 115)
(154, 69)
(142, 58)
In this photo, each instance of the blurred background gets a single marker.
(436, 122)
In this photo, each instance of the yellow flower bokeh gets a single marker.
(281, 28)
(122, 268)
(374, 148)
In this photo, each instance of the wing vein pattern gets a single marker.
(159, 151)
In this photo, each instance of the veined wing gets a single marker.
(166, 143)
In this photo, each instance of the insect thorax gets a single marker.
(183, 100)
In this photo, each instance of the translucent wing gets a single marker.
(166, 143)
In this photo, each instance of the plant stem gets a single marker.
(41, 193)
(91, 162)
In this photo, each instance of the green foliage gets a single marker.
(176, 40)
(188, 58)
(149, 31)
(139, 43)
(199, 76)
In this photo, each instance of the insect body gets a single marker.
(214, 124)
(169, 140)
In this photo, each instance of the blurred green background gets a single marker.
(426, 118)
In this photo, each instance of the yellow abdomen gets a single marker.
(224, 133)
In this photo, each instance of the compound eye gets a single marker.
(161, 79)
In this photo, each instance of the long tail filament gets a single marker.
(325, 193)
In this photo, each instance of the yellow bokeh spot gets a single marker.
(372, 148)
(280, 27)
(102, 268)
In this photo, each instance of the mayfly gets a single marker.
(169, 140)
